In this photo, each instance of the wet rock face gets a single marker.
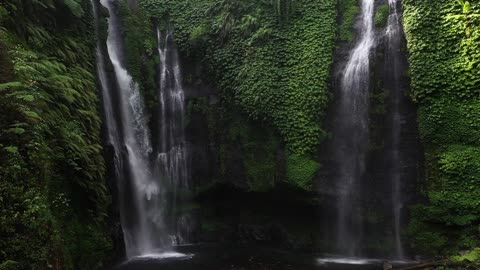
(211, 157)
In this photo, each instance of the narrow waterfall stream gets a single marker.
(393, 68)
(351, 133)
(108, 108)
(172, 148)
(139, 220)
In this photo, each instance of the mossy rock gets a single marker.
(301, 170)
(381, 15)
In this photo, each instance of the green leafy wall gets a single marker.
(275, 68)
(270, 59)
(53, 198)
(444, 45)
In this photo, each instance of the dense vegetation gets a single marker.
(53, 198)
(269, 59)
(444, 44)
(276, 71)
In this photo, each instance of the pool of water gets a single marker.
(227, 258)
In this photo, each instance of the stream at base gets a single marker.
(212, 257)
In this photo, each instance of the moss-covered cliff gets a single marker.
(53, 198)
(444, 52)
(269, 66)
(258, 77)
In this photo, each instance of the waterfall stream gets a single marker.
(172, 148)
(135, 150)
(393, 69)
(351, 132)
(150, 178)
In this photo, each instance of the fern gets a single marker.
(50, 133)
(75, 7)
(10, 85)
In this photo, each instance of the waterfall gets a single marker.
(141, 197)
(351, 132)
(172, 147)
(112, 132)
(152, 179)
(393, 68)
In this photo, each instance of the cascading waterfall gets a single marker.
(351, 132)
(112, 132)
(140, 192)
(150, 179)
(172, 147)
(393, 69)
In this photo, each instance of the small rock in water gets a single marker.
(387, 266)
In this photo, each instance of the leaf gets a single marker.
(10, 85)
(16, 130)
(11, 149)
(32, 115)
(74, 7)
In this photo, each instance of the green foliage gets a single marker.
(381, 15)
(426, 237)
(3, 13)
(444, 51)
(466, 6)
(141, 50)
(349, 10)
(250, 151)
(301, 170)
(9, 265)
(472, 256)
(277, 73)
(259, 150)
(198, 35)
(51, 165)
(75, 6)
(284, 8)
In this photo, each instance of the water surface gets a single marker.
(223, 258)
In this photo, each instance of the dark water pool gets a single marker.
(222, 258)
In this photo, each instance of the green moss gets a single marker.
(381, 15)
(426, 238)
(349, 10)
(277, 72)
(442, 53)
(259, 149)
(260, 163)
(301, 170)
(141, 50)
(243, 144)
